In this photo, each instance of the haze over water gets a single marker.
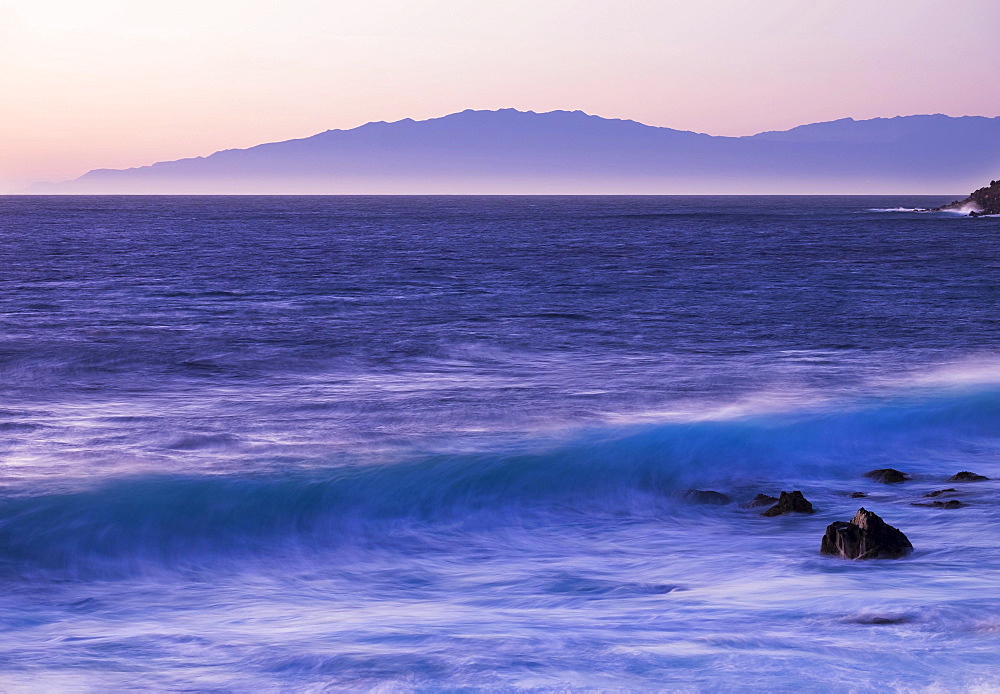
(442, 442)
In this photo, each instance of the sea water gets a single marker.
(442, 443)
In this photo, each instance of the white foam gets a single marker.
(974, 371)
(979, 370)
(964, 210)
(764, 402)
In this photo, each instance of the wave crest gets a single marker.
(130, 525)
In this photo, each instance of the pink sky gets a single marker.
(114, 83)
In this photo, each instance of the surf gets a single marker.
(637, 471)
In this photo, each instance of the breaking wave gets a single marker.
(127, 525)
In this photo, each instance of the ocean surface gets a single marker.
(443, 443)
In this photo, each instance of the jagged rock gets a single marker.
(790, 502)
(703, 496)
(887, 475)
(951, 503)
(982, 202)
(966, 476)
(939, 492)
(760, 500)
(866, 536)
(858, 495)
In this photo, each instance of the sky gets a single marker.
(90, 84)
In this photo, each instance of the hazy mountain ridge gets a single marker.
(510, 151)
(882, 130)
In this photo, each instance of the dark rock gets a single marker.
(790, 502)
(982, 202)
(866, 536)
(887, 475)
(939, 492)
(760, 500)
(881, 620)
(858, 495)
(966, 476)
(951, 503)
(702, 496)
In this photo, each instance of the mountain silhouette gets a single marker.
(510, 151)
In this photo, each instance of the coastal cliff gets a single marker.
(982, 202)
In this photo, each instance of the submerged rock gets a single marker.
(790, 502)
(939, 492)
(887, 475)
(966, 476)
(982, 202)
(858, 495)
(760, 500)
(951, 503)
(866, 536)
(704, 496)
(878, 620)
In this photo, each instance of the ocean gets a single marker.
(444, 443)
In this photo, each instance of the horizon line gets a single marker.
(475, 195)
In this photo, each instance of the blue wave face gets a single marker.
(638, 471)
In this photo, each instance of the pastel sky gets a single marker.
(116, 83)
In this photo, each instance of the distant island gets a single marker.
(517, 152)
(982, 202)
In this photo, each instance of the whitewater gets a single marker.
(444, 443)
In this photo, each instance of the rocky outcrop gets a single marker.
(966, 476)
(982, 202)
(887, 475)
(939, 492)
(760, 500)
(705, 496)
(866, 536)
(951, 503)
(790, 502)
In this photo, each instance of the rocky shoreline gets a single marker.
(981, 203)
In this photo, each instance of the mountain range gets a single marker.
(518, 152)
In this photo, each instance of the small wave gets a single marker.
(899, 209)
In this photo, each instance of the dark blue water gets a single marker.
(440, 443)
